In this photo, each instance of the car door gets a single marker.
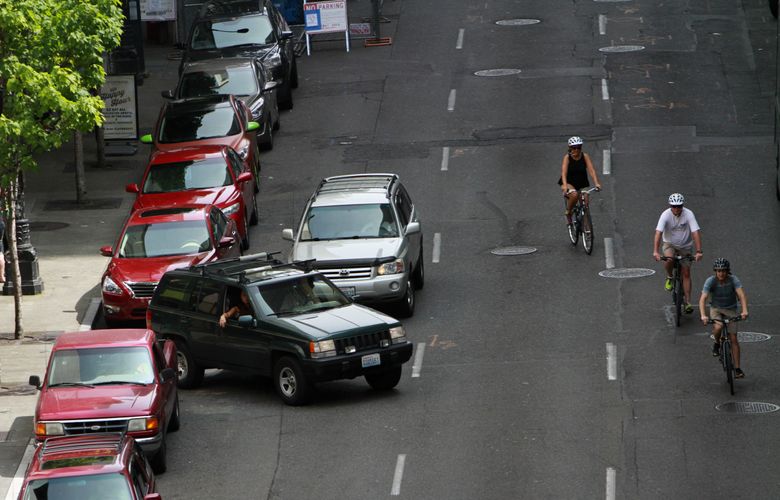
(245, 347)
(237, 167)
(222, 227)
(167, 388)
(407, 214)
(207, 305)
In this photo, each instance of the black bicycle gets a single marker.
(581, 223)
(726, 354)
(678, 292)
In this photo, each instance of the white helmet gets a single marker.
(676, 199)
(575, 141)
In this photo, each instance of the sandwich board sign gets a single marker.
(325, 17)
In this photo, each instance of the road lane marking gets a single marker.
(607, 162)
(611, 361)
(604, 90)
(418, 358)
(459, 43)
(451, 101)
(399, 474)
(445, 158)
(16, 482)
(89, 316)
(609, 253)
(436, 247)
(602, 24)
(610, 483)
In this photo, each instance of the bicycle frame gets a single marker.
(726, 353)
(581, 223)
(678, 292)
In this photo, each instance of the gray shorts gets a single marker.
(682, 251)
(718, 313)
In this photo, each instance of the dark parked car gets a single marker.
(90, 466)
(246, 28)
(300, 330)
(245, 78)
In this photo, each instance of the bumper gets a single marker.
(390, 288)
(121, 308)
(350, 365)
(150, 445)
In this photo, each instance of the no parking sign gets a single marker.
(325, 17)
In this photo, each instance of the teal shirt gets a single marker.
(722, 295)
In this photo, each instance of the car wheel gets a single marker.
(255, 214)
(268, 140)
(256, 171)
(294, 74)
(406, 304)
(175, 421)
(386, 380)
(290, 382)
(419, 272)
(278, 122)
(285, 97)
(773, 7)
(159, 462)
(245, 237)
(190, 375)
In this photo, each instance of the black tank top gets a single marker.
(577, 173)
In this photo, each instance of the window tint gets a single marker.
(105, 365)
(236, 163)
(159, 359)
(235, 80)
(243, 30)
(209, 298)
(112, 486)
(299, 295)
(192, 125)
(186, 175)
(350, 221)
(219, 224)
(173, 292)
(404, 206)
(164, 238)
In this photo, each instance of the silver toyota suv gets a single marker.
(365, 234)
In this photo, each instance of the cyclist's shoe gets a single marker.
(688, 308)
(738, 373)
(716, 349)
(668, 285)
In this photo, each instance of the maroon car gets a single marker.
(204, 175)
(110, 381)
(155, 240)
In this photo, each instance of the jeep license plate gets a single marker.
(349, 291)
(371, 360)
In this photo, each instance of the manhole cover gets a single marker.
(47, 225)
(753, 337)
(747, 407)
(626, 272)
(517, 22)
(497, 72)
(621, 48)
(513, 250)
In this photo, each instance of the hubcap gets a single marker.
(287, 382)
(181, 365)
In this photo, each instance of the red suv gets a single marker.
(155, 240)
(213, 175)
(90, 466)
(110, 381)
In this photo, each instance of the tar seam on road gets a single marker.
(459, 43)
(445, 158)
(611, 361)
(418, 357)
(602, 24)
(399, 474)
(609, 253)
(451, 101)
(436, 247)
(604, 90)
(607, 162)
(16, 483)
(610, 483)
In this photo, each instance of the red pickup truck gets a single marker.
(110, 381)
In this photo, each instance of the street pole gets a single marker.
(27, 256)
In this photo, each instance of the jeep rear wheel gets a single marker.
(386, 380)
(290, 382)
(190, 375)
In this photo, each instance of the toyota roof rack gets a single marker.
(356, 182)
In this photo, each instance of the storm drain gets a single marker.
(626, 272)
(517, 22)
(498, 72)
(621, 48)
(749, 337)
(747, 407)
(512, 251)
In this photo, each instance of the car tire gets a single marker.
(290, 382)
(253, 220)
(385, 380)
(268, 140)
(159, 461)
(285, 97)
(406, 305)
(190, 375)
(294, 74)
(773, 7)
(418, 278)
(175, 422)
(278, 122)
(256, 171)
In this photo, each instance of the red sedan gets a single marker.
(205, 175)
(155, 240)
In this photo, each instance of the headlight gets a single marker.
(228, 211)
(110, 286)
(395, 267)
(142, 424)
(49, 429)
(322, 349)
(398, 334)
(273, 59)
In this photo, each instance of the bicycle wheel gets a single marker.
(728, 364)
(677, 294)
(574, 232)
(587, 231)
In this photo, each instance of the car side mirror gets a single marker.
(270, 85)
(153, 496)
(226, 241)
(287, 234)
(247, 321)
(286, 35)
(244, 177)
(36, 381)
(106, 251)
(132, 188)
(147, 139)
(167, 94)
(412, 228)
(167, 374)
(252, 126)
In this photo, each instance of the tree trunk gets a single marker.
(10, 197)
(101, 146)
(81, 183)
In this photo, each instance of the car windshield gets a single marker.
(244, 30)
(235, 80)
(101, 365)
(90, 487)
(300, 295)
(165, 238)
(186, 175)
(194, 125)
(349, 221)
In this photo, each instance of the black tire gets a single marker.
(587, 232)
(245, 238)
(677, 294)
(285, 96)
(255, 217)
(268, 140)
(385, 380)
(294, 74)
(290, 382)
(159, 461)
(175, 423)
(574, 230)
(256, 171)
(190, 375)
(773, 7)
(728, 364)
(418, 278)
(405, 306)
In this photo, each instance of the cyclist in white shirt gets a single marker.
(678, 229)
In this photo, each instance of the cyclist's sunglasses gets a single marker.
(575, 147)
(676, 206)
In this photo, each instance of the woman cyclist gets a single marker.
(575, 168)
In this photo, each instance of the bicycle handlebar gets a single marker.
(725, 321)
(677, 257)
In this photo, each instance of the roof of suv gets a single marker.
(95, 453)
(355, 189)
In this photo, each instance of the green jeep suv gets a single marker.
(293, 324)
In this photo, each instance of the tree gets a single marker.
(51, 62)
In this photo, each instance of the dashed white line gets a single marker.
(611, 361)
(607, 162)
(609, 253)
(16, 482)
(445, 158)
(602, 24)
(418, 358)
(610, 483)
(398, 476)
(459, 43)
(604, 90)
(89, 316)
(451, 101)
(436, 247)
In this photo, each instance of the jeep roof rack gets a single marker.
(356, 182)
(239, 267)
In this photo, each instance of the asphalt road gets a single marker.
(514, 397)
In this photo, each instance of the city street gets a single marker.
(533, 376)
